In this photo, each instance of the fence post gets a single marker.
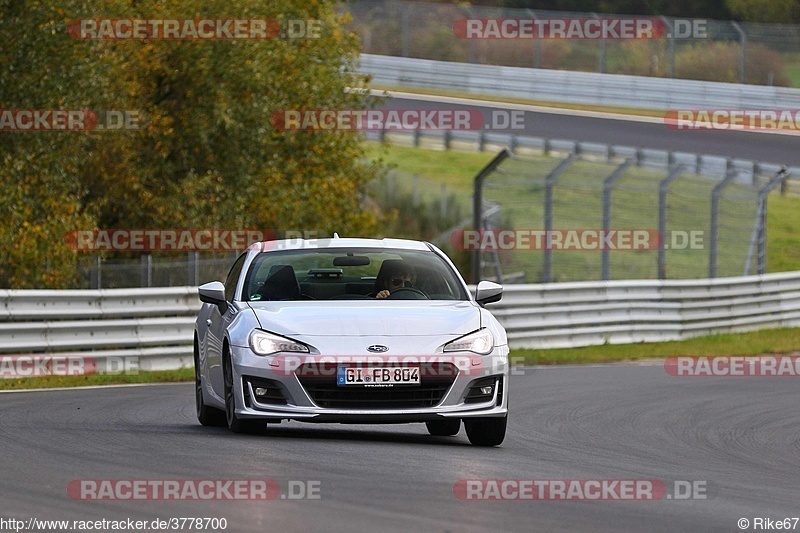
(716, 193)
(406, 28)
(601, 58)
(662, 218)
(146, 278)
(96, 274)
(608, 184)
(743, 46)
(537, 54)
(473, 43)
(671, 32)
(549, 184)
(477, 207)
(193, 266)
(759, 238)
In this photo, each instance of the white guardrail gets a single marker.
(574, 87)
(155, 325)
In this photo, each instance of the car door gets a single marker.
(217, 326)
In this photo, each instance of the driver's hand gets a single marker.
(383, 294)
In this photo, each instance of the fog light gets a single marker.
(260, 391)
(487, 390)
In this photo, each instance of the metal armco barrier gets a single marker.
(155, 325)
(574, 87)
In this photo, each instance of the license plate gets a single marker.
(378, 376)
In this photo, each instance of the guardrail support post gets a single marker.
(608, 184)
(663, 185)
(549, 184)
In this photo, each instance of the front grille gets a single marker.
(324, 391)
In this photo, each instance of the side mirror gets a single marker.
(214, 293)
(488, 292)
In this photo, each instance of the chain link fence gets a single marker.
(165, 269)
(730, 52)
(581, 218)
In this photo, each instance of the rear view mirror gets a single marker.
(351, 260)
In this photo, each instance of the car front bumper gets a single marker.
(286, 378)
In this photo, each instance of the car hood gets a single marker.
(360, 318)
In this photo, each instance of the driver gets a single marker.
(399, 276)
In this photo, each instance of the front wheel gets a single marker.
(236, 424)
(444, 428)
(207, 416)
(486, 431)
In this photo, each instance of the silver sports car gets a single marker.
(351, 331)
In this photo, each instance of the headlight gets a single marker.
(480, 342)
(265, 343)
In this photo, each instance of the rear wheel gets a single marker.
(208, 416)
(236, 424)
(486, 431)
(444, 428)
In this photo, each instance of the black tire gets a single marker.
(207, 416)
(235, 424)
(444, 428)
(486, 431)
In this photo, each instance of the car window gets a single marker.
(349, 274)
(233, 277)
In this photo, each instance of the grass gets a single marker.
(793, 73)
(768, 341)
(792, 68)
(54, 382)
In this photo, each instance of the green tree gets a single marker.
(776, 11)
(205, 154)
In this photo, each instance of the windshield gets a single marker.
(351, 274)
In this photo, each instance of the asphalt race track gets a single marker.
(739, 436)
(764, 147)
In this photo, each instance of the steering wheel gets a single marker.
(408, 292)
